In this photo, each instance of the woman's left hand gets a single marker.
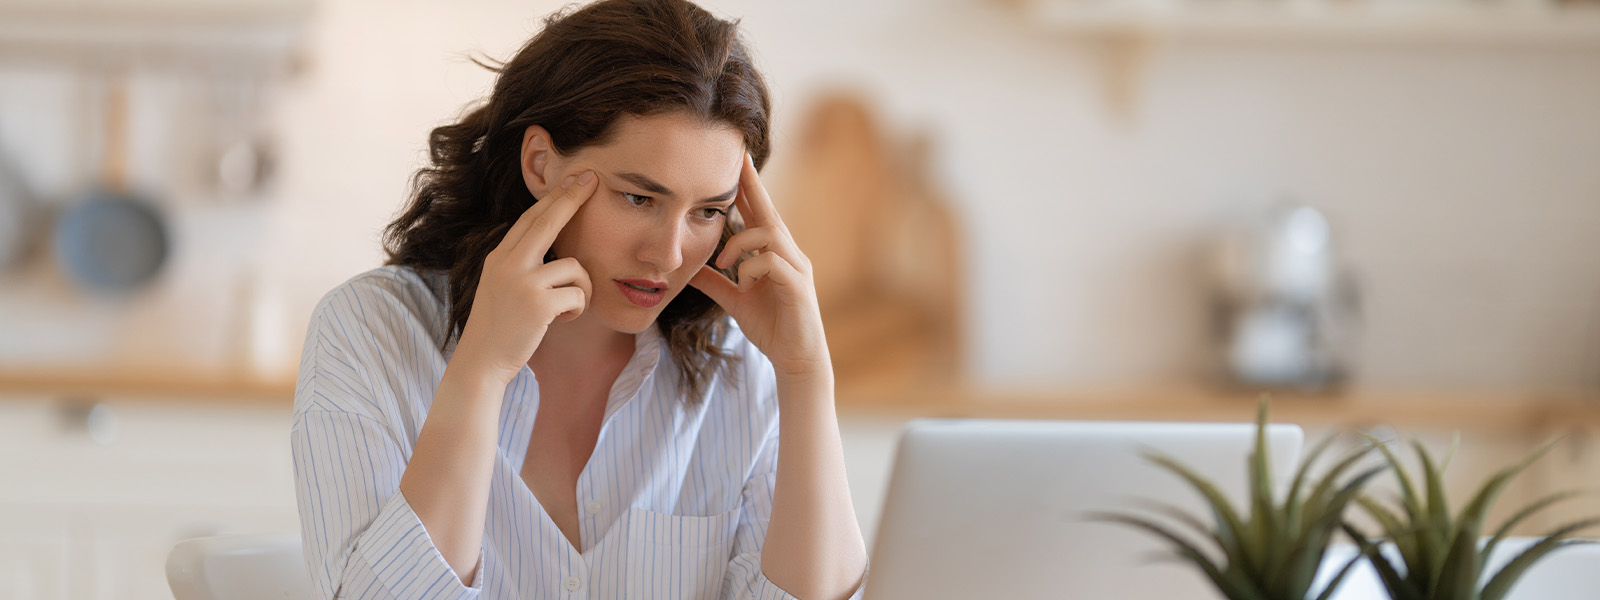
(775, 301)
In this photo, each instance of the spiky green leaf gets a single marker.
(1399, 587)
(1292, 506)
(1478, 508)
(1229, 526)
(1338, 578)
(1231, 583)
(1507, 576)
(1522, 515)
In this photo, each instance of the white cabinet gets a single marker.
(82, 520)
(33, 552)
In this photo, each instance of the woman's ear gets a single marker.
(538, 160)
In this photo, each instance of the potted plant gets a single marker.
(1440, 556)
(1274, 551)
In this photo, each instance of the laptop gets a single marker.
(997, 508)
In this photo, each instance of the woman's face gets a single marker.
(666, 185)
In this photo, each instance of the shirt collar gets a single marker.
(649, 338)
(648, 346)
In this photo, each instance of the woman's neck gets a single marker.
(581, 348)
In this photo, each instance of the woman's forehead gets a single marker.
(686, 155)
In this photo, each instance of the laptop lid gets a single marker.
(996, 508)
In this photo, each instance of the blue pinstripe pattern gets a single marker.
(684, 490)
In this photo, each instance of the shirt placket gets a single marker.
(600, 499)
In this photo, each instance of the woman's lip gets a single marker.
(645, 283)
(641, 298)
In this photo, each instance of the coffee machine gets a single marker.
(1284, 308)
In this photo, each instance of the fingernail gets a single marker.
(586, 177)
(566, 183)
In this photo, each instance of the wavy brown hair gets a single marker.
(575, 78)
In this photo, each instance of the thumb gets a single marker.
(715, 286)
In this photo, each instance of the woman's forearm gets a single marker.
(446, 482)
(814, 547)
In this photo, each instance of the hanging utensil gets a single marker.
(244, 157)
(111, 239)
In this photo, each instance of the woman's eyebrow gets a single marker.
(654, 187)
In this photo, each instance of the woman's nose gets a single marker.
(664, 248)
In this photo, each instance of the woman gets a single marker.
(555, 388)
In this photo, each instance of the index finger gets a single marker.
(546, 224)
(752, 200)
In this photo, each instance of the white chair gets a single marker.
(239, 567)
(1571, 573)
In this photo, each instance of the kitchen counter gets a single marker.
(1445, 409)
(165, 385)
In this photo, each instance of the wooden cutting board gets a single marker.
(884, 243)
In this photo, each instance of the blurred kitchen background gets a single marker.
(1381, 211)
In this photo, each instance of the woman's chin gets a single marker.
(630, 319)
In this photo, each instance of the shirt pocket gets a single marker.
(672, 556)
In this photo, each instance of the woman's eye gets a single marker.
(635, 199)
(712, 213)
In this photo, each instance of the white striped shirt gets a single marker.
(674, 502)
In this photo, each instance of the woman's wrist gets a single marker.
(816, 367)
(817, 375)
(476, 360)
(807, 359)
(468, 369)
(813, 385)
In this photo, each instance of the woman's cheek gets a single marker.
(705, 244)
(573, 239)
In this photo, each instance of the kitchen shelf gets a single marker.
(1522, 22)
(165, 385)
(1131, 29)
(261, 36)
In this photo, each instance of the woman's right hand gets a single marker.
(519, 295)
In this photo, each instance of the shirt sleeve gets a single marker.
(361, 537)
(744, 580)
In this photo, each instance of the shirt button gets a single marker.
(593, 506)
(573, 584)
